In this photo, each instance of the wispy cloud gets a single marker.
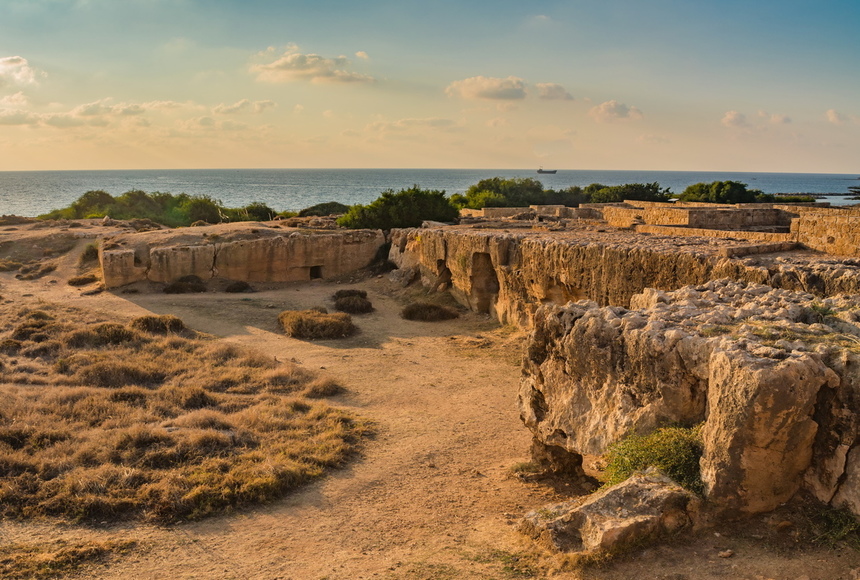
(553, 91)
(837, 118)
(610, 111)
(480, 87)
(243, 106)
(774, 118)
(294, 66)
(735, 120)
(16, 71)
(14, 101)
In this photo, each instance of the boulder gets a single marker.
(647, 505)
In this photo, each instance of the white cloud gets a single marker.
(262, 106)
(15, 70)
(298, 109)
(480, 87)
(835, 117)
(238, 107)
(294, 66)
(609, 111)
(362, 55)
(553, 91)
(14, 101)
(735, 120)
(774, 118)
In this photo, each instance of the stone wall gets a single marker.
(833, 233)
(729, 218)
(767, 237)
(261, 256)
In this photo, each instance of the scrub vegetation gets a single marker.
(149, 420)
(673, 450)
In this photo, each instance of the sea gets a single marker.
(32, 193)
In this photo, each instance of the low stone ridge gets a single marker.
(250, 252)
(773, 375)
(647, 505)
(509, 273)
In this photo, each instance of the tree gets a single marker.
(632, 191)
(720, 192)
(406, 208)
(499, 192)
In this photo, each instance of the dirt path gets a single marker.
(431, 495)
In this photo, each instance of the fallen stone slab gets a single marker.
(646, 505)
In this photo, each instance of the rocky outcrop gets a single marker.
(247, 252)
(774, 376)
(509, 274)
(648, 504)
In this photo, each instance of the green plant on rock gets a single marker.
(673, 450)
(406, 208)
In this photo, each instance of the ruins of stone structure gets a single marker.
(251, 252)
(734, 318)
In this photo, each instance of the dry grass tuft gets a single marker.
(427, 312)
(313, 324)
(163, 324)
(82, 280)
(42, 561)
(348, 292)
(120, 422)
(353, 305)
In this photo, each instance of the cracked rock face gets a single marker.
(773, 374)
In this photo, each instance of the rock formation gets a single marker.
(250, 252)
(509, 273)
(772, 374)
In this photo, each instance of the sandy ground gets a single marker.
(431, 496)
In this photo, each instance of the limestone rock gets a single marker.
(776, 384)
(648, 504)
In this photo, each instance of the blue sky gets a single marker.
(664, 84)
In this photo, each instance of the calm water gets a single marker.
(32, 193)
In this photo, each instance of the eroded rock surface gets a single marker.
(510, 272)
(773, 374)
(250, 252)
(647, 505)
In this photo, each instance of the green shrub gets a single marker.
(720, 192)
(353, 305)
(632, 191)
(406, 208)
(313, 324)
(427, 312)
(673, 450)
(324, 209)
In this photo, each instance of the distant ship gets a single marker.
(548, 171)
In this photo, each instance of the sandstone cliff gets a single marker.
(250, 252)
(772, 374)
(509, 274)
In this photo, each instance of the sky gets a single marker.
(685, 85)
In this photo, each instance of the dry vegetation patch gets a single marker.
(149, 420)
(37, 561)
(316, 324)
(428, 312)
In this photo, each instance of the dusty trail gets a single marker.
(431, 491)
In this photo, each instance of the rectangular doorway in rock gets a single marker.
(485, 283)
(315, 272)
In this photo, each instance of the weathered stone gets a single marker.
(250, 252)
(759, 434)
(778, 414)
(648, 504)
